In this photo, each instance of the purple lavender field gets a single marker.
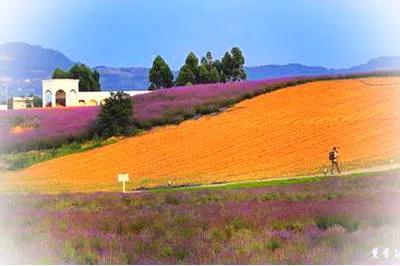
(334, 221)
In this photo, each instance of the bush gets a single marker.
(207, 109)
(295, 227)
(271, 196)
(116, 116)
(171, 200)
(349, 223)
(273, 244)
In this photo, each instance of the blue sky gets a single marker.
(131, 33)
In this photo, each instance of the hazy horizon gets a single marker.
(333, 34)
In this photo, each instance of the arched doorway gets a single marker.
(47, 99)
(92, 103)
(72, 98)
(60, 98)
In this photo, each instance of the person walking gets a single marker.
(333, 157)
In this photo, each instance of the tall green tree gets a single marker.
(227, 66)
(189, 72)
(238, 73)
(185, 76)
(60, 74)
(206, 65)
(88, 80)
(214, 75)
(192, 62)
(204, 75)
(217, 64)
(34, 101)
(232, 66)
(160, 75)
(116, 116)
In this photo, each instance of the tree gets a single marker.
(227, 66)
(160, 75)
(189, 72)
(185, 76)
(209, 59)
(88, 80)
(206, 65)
(217, 64)
(60, 74)
(238, 72)
(204, 75)
(192, 62)
(232, 66)
(116, 116)
(214, 75)
(35, 101)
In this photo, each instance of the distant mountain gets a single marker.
(380, 63)
(128, 78)
(276, 71)
(15, 57)
(23, 66)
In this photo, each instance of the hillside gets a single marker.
(286, 132)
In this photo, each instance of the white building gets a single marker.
(65, 92)
(20, 102)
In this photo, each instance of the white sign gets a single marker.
(123, 178)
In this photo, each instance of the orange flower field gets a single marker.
(283, 133)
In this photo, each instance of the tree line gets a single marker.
(228, 69)
(88, 80)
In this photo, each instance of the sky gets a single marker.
(131, 33)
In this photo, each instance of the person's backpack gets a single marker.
(331, 155)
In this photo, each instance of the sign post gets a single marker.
(123, 178)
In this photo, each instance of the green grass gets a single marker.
(265, 183)
(25, 159)
(326, 222)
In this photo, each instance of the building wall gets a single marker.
(20, 102)
(73, 97)
(68, 86)
(97, 97)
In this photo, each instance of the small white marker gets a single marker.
(123, 178)
(325, 171)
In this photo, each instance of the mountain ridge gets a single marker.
(23, 66)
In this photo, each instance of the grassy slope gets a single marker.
(287, 132)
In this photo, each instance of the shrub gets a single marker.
(207, 109)
(331, 195)
(17, 121)
(137, 226)
(115, 116)
(271, 196)
(171, 200)
(273, 244)
(295, 227)
(239, 224)
(349, 223)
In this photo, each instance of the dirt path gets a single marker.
(380, 168)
